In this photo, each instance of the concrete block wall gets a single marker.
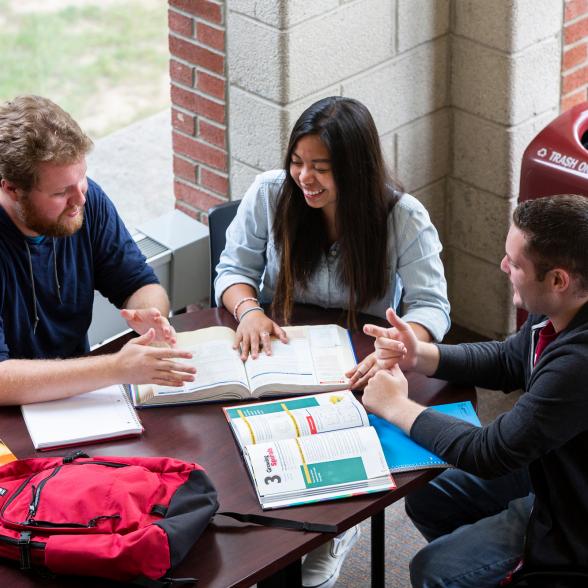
(391, 55)
(505, 87)
(574, 73)
(457, 88)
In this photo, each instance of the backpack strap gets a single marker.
(24, 546)
(163, 582)
(75, 455)
(280, 523)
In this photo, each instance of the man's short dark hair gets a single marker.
(556, 234)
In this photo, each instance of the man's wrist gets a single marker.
(403, 412)
(427, 358)
(110, 366)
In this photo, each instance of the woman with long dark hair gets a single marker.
(332, 229)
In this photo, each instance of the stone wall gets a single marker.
(393, 56)
(505, 87)
(457, 88)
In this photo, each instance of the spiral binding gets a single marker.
(129, 403)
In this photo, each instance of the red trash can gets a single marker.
(556, 161)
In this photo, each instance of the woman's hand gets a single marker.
(254, 332)
(362, 372)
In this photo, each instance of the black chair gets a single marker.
(219, 219)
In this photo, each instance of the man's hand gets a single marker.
(140, 363)
(384, 390)
(255, 332)
(397, 345)
(143, 319)
(386, 396)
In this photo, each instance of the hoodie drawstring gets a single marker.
(35, 314)
(30, 259)
(55, 271)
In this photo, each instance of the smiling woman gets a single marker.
(105, 61)
(310, 168)
(334, 229)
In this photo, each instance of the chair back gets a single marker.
(219, 219)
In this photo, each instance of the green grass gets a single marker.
(106, 64)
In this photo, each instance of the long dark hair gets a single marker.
(365, 197)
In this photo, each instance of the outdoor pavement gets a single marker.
(134, 167)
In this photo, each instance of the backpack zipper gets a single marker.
(90, 525)
(34, 504)
(111, 464)
(37, 495)
(18, 491)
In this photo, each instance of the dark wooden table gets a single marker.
(232, 554)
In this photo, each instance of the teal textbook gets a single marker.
(402, 453)
(309, 449)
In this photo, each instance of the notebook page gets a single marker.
(100, 414)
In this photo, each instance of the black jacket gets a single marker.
(546, 430)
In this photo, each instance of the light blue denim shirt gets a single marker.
(416, 271)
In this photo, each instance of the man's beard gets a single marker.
(64, 226)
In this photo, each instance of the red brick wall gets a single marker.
(198, 95)
(574, 70)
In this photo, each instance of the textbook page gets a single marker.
(316, 357)
(332, 465)
(296, 417)
(219, 370)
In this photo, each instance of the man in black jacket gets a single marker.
(519, 495)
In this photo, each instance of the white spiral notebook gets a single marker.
(106, 413)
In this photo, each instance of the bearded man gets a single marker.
(60, 239)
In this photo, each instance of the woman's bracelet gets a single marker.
(239, 302)
(249, 310)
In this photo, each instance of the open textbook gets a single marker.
(309, 449)
(315, 359)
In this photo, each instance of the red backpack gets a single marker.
(122, 518)
(129, 519)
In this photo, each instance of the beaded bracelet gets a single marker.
(236, 308)
(250, 310)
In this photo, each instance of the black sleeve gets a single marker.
(492, 364)
(550, 413)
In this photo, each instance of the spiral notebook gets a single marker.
(403, 454)
(103, 414)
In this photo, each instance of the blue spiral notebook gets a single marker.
(403, 454)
